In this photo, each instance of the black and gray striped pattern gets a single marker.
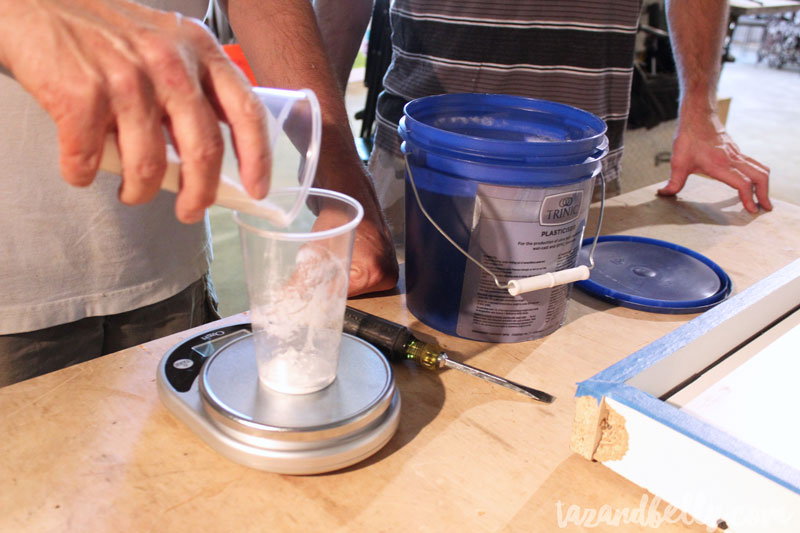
(576, 52)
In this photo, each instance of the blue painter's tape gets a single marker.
(664, 347)
(708, 435)
(613, 382)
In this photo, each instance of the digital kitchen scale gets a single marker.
(210, 382)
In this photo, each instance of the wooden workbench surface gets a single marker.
(91, 447)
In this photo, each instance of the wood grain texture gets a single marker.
(91, 448)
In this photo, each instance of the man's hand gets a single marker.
(115, 65)
(269, 25)
(374, 266)
(697, 30)
(703, 146)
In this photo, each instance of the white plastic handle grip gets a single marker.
(230, 194)
(545, 281)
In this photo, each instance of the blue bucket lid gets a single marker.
(502, 127)
(652, 275)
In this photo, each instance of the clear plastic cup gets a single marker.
(294, 124)
(294, 129)
(297, 286)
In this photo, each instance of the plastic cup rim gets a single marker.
(278, 234)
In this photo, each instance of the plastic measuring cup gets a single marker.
(294, 125)
(297, 278)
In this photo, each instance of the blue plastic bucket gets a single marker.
(510, 180)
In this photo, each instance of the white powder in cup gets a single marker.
(298, 333)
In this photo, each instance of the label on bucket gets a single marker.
(517, 233)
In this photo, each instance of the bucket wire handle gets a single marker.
(533, 283)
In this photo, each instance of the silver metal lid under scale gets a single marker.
(249, 423)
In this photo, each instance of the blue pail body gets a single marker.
(510, 180)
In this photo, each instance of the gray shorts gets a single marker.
(27, 355)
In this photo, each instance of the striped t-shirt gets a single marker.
(575, 52)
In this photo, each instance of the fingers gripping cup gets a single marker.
(294, 134)
(297, 279)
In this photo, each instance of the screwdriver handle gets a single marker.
(396, 343)
(391, 339)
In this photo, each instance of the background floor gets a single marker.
(764, 119)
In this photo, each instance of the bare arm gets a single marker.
(342, 25)
(284, 48)
(701, 143)
(114, 65)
